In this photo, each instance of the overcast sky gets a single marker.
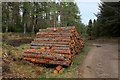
(87, 9)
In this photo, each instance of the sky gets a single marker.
(87, 9)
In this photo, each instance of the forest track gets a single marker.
(101, 61)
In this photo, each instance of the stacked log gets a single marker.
(54, 46)
(59, 69)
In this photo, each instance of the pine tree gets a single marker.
(89, 29)
(31, 16)
(108, 19)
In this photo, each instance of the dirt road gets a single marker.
(101, 61)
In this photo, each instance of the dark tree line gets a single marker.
(31, 16)
(108, 21)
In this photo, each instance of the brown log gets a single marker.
(62, 70)
(51, 54)
(63, 28)
(33, 60)
(58, 28)
(60, 48)
(44, 56)
(50, 45)
(39, 47)
(65, 39)
(48, 50)
(51, 31)
(58, 68)
(54, 33)
(53, 36)
(45, 61)
(55, 72)
(49, 42)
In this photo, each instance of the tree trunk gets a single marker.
(54, 15)
(33, 25)
(61, 14)
(24, 28)
(33, 28)
(24, 18)
(57, 19)
(7, 20)
(36, 20)
(13, 16)
(54, 20)
(48, 19)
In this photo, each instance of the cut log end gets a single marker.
(55, 72)
(54, 29)
(62, 70)
(58, 68)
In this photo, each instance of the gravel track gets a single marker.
(101, 61)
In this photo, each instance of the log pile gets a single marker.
(54, 46)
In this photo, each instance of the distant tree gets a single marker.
(89, 29)
(94, 28)
(32, 16)
(5, 13)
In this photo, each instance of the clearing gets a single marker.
(100, 62)
(14, 66)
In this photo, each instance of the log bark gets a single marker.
(44, 56)
(54, 33)
(50, 42)
(58, 55)
(48, 50)
(38, 47)
(53, 38)
(47, 61)
(51, 45)
(58, 29)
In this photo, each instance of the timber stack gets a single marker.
(54, 46)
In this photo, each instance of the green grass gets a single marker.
(80, 56)
(21, 68)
